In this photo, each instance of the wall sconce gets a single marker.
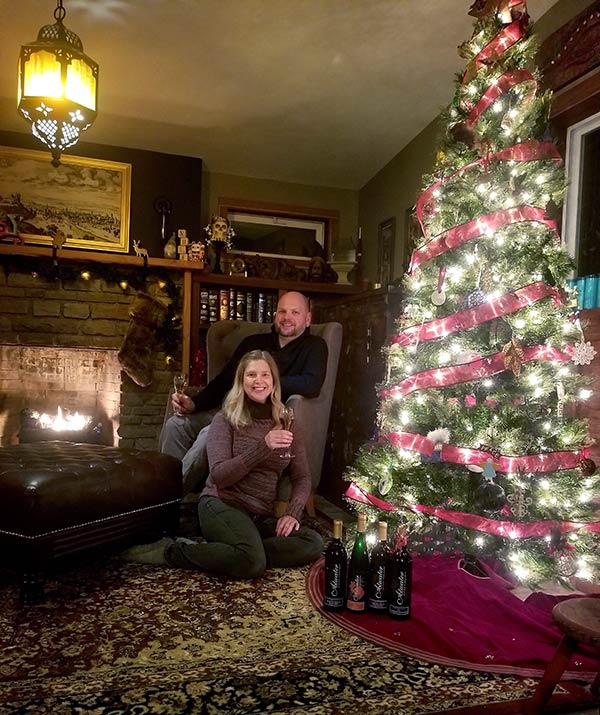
(58, 86)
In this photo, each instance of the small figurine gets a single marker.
(139, 251)
(196, 251)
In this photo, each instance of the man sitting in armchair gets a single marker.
(302, 362)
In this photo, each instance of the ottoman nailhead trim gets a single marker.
(88, 523)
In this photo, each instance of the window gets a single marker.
(581, 220)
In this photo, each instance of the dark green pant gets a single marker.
(242, 545)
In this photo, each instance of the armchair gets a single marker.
(312, 415)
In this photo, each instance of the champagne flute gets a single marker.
(287, 417)
(180, 382)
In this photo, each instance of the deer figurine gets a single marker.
(139, 251)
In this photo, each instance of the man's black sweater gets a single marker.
(302, 365)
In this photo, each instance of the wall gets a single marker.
(242, 187)
(178, 178)
(396, 187)
(391, 192)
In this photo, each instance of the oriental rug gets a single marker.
(115, 638)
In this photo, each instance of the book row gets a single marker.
(237, 304)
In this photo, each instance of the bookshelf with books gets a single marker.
(221, 297)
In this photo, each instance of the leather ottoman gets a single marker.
(58, 499)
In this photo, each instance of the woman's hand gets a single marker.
(286, 524)
(182, 404)
(279, 438)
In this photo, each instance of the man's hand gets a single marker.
(182, 404)
(279, 438)
(286, 524)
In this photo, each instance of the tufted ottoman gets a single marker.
(60, 498)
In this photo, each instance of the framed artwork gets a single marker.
(86, 200)
(385, 262)
(413, 234)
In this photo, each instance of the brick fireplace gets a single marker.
(59, 341)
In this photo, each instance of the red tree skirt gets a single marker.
(465, 621)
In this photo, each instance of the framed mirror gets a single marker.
(295, 233)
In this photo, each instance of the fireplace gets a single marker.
(59, 343)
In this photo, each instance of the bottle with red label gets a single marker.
(358, 570)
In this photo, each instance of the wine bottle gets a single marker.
(379, 570)
(358, 571)
(400, 582)
(336, 567)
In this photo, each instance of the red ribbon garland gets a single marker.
(525, 151)
(469, 318)
(476, 228)
(506, 529)
(474, 370)
(509, 35)
(500, 86)
(535, 463)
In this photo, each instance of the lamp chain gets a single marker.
(60, 12)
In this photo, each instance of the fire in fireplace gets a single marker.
(35, 380)
(63, 426)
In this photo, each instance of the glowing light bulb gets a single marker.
(585, 394)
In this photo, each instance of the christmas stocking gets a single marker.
(137, 351)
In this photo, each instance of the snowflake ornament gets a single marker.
(583, 353)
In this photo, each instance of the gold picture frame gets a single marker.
(86, 200)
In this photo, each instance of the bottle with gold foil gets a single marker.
(336, 567)
(358, 570)
(379, 571)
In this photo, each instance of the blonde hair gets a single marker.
(235, 407)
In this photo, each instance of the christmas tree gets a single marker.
(477, 424)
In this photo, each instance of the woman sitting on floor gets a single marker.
(245, 446)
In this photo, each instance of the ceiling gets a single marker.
(321, 92)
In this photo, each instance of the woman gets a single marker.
(245, 447)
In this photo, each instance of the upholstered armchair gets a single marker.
(311, 415)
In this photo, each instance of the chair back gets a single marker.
(311, 415)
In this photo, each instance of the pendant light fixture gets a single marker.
(58, 86)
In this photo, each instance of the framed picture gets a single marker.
(87, 200)
(385, 262)
(413, 234)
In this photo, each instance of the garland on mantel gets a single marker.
(51, 269)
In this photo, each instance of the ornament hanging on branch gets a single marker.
(514, 356)
(438, 297)
(519, 503)
(583, 353)
(587, 467)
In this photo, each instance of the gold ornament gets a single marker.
(514, 357)
(169, 360)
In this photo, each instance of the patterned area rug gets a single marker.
(116, 638)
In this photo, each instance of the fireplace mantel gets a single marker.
(69, 254)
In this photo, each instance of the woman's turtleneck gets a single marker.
(260, 410)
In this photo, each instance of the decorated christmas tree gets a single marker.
(477, 424)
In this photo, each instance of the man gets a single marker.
(302, 362)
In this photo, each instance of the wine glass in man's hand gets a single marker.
(287, 418)
(180, 382)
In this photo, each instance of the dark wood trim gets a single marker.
(573, 50)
